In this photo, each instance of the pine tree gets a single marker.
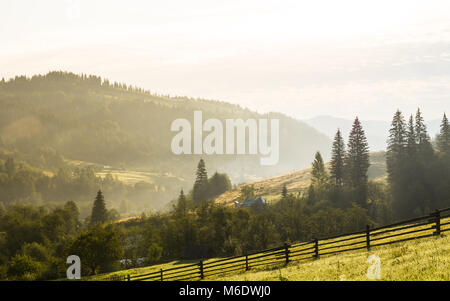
(284, 191)
(396, 144)
(182, 205)
(99, 212)
(411, 138)
(443, 140)
(424, 147)
(319, 173)
(337, 159)
(201, 182)
(357, 163)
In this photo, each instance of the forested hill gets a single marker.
(87, 118)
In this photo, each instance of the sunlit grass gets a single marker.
(421, 259)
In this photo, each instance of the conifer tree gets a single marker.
(201, 182)
(182, 206)
(337, 159)
(424, 147)
(284, 191)
(443, 140)
(411, 138)
(99, 212)
(319, 173)
(357, 162)
(396, 144)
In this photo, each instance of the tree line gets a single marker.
(418, 168)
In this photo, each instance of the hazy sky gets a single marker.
(303, 58)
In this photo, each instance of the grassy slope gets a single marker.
(421, 259)
(296, 181)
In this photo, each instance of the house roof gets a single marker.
(259, 200)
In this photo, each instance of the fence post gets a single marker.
(316, 248)
(368, 237)
(161, 274)
(128, 277)
(246, 261)
(200, 264)
(286, 252)
(438, 222)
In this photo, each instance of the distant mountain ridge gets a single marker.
(376, 131)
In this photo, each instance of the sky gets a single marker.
(303, 58)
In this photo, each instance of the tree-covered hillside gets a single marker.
(48, 119)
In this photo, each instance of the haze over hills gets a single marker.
(93, 122)
(376, 130)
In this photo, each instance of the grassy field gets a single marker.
(296, 182)
(426, 259)
(421, 259)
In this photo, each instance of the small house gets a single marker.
(259, 201)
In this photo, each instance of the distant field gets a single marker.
(127, 176)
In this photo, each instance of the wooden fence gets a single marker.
(420, 227)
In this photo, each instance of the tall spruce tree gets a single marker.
(318, 172)
(396, 144)
(357, 163)
(421, 129)
(443, 139)
(201, 182)
(411, 138)
(424, 147)
(337, 159)
(99, 212)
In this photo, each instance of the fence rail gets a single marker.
(416, 228)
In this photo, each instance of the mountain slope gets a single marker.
(88, 119)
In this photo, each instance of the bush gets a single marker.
(154, 253)
(36, 251)
(23, 267)
(99, 248)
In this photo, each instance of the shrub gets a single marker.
(154, 253)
